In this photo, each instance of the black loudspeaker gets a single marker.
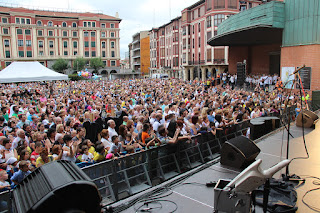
(309, 118)
(241, 73)
(59, 186)
(239, 152)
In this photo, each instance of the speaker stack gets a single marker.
(309, 118)
(239, 152)
(59, 186)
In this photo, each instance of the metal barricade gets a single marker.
(5, 202)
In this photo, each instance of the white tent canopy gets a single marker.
(28, 72)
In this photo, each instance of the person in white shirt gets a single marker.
(111, 129)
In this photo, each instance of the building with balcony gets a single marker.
(140, 52)
(180, 47)
(44, 36)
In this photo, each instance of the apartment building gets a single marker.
(139, 50)
(179, 48)
(44, 36)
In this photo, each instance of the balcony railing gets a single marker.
(219, 61)
(196, 62)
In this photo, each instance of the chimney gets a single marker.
(117, 15)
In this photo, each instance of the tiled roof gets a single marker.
(53, 13)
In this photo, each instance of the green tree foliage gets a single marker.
(79, 64)
(96, 63)
(60, 65)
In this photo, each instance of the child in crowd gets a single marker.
(23, 172)
(86, 155)
(116, 146)
(130, 141)
(4, 184)
(36, 153)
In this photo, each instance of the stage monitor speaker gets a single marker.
(309, 118)
(239, 152)
(59, 186)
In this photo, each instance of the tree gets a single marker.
(96, 63)
(60, 65)
(79, 64)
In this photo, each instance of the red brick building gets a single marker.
(180, 47)
(44, 36)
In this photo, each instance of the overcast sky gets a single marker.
(136, 15)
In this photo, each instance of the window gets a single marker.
(103, 54)
(103, 25)
(199, 42)
(65, 44)
(28, 43)
(64, 24)
(74, 24)
(7, 54)
(103, 44)
(28, 21)
(50, 33)
(4, 20)
(104, 63)
(21, 54)
(86, 54)
(112, 34)
(209, 35)
(113, 54)
(93, 44)
(218, 4)
(209, 55)
(112, 44)
(199, 13)
(39, 32)
(93, 53)
(75, 52)
(103, 34)
(29, 54)
(192, 29)
(17, 20)
(93, 34)
(113, 63)
(232, 4)
(89, 24)
(86, 34)
(209, 21)
(6, 43)
(51, 44)
(93, 24)
(51, 53)
(86, 44)
(209, 4)
(19, 31)
(219, 54)
(39, 23)
(40, 43)
(74, 33)
(40, 53)
(5, 31)
(218, 19)
(75, 44)
(85, 24)
(111, 25)
(65, 52)
(27, 32)
(20, 43)
(65, 33)
(199, 27)
(50, 24)
(23, 21)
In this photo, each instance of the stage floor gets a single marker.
(199, 198)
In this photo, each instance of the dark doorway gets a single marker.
(274, 63)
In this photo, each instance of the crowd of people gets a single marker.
(93, 121)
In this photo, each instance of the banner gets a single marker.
(286, 76)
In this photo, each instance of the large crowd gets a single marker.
(93, 121)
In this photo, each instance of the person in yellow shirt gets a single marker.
(44, 158)
(100, 154)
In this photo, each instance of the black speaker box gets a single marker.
(309, 118)
(239, 152)
(59, 186)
